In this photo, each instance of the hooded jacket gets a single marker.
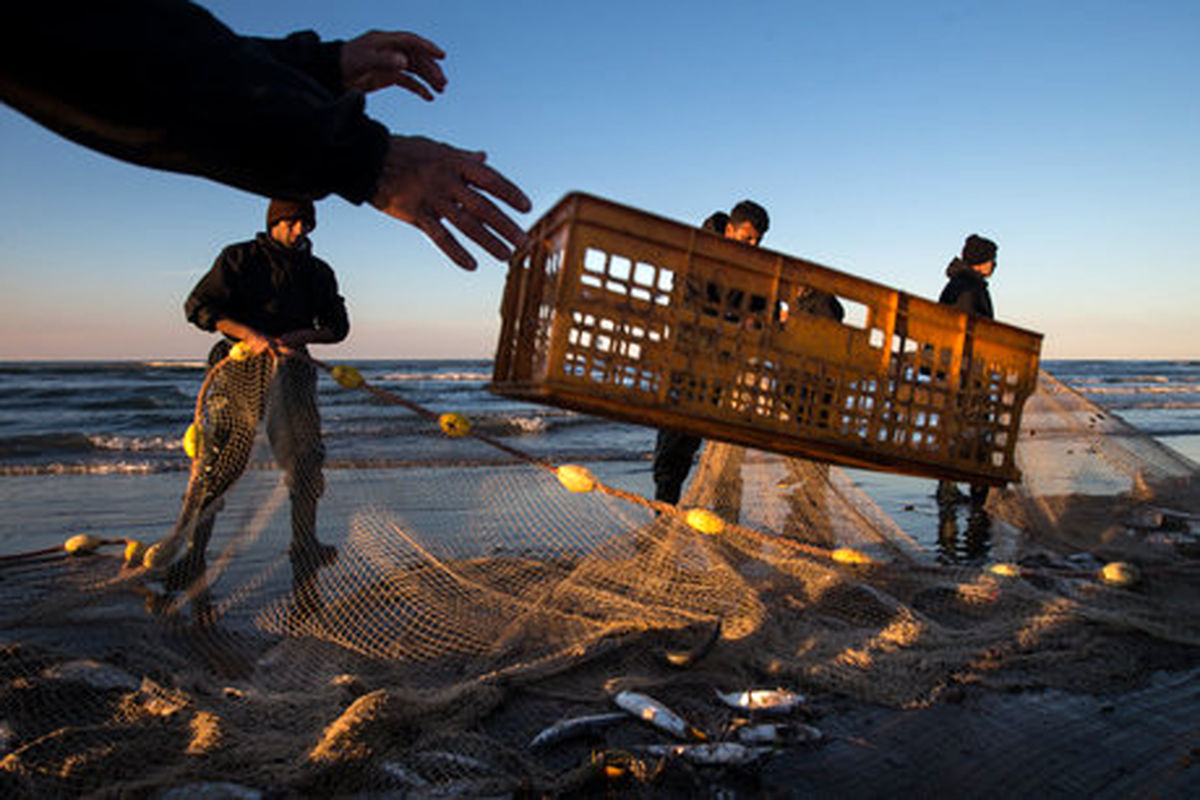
(967, 290)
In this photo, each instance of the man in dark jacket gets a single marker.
(163, 84)
(272, 295)
(674, 450)
(967, 290)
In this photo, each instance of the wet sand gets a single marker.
(1046, 743)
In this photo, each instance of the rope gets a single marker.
(1116, 573)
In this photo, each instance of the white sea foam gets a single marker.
(528, 424)
(135, 444)
(93, 468)
(1108, 389)
(175, 364)
(435, 376)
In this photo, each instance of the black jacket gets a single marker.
(272, 288)
(164, 84)
(967, 291)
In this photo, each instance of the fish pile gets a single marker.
(748, 742)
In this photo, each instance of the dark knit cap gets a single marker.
(977, 250)
(716, 222)
(291, 209)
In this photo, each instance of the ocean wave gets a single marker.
(93, 468)
(1135, 387)
(401, 377)
(1134, 405)
(139, 402)
(187, 365)
(36, 444)
(136, 444)
(71, 368)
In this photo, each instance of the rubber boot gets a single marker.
(306, 550)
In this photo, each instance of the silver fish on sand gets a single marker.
(572, 728)
(445, 760)
(402, 774)
(649, 710)
(712, 754)
(775, 733)
(766, 701)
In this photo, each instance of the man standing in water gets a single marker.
(673, 450)
(274, 297)
(967, 291)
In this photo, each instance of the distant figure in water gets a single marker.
(967, 290)
(276, 298)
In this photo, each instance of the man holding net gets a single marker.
(272, 298)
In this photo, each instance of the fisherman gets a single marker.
(164, 84)
(275, 297)
(674, 450)
(967, 291)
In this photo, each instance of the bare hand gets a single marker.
(424, 182)
(378, 59)
(257, 342)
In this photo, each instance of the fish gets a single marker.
(443, 759)
(649, 710)
(577, 726)
(772, 733)
(686, 658)
(403, 775)
(766, 701)
(711, 754)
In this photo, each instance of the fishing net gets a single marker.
(467, 609)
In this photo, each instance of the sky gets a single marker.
(877, 134)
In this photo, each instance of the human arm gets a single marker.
(164, 84)
(283, 345)
(424, 182)
(421, 181)
(367, 63)
(329, 322)
(379, 59)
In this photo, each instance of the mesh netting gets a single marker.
(465, 610)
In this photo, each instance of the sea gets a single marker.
(127, 418)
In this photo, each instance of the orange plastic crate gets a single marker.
(612, 311)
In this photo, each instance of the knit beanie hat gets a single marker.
(291, 209)
(977, 250)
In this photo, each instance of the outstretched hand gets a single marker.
(424, 183)
(378, 59)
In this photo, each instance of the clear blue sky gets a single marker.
(878, 134)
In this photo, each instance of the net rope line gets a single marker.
(357, 381)
(701, 522)
(697, 518)
(839, 554)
